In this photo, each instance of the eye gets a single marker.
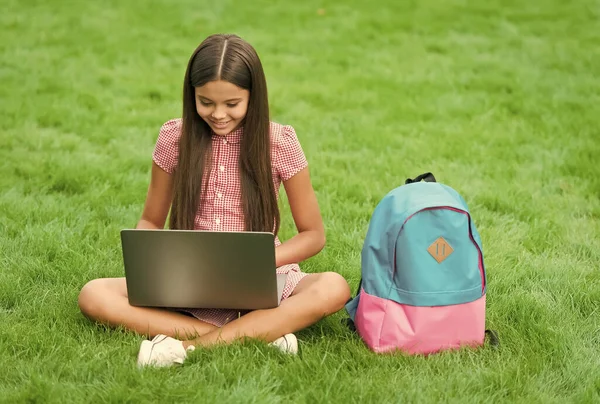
(205, 103)
(233, 105)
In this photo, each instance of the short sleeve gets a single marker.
(166, 151)
(290, 156)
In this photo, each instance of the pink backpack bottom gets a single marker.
(385, 325)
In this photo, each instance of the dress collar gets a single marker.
(231, 137)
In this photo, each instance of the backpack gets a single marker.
(423, 284)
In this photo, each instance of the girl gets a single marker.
(219, 168)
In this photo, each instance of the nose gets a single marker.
(218, 114)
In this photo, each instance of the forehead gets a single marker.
(220, 91)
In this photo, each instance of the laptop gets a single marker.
(201, 269)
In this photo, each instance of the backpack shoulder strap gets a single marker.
(493, 337)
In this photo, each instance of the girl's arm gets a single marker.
(158, 201)
(307, 216)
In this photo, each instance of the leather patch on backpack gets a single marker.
(440, 250)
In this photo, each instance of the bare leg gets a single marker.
(105, 300)
(316, 296)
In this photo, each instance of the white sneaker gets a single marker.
(288, 344)
(162, 351)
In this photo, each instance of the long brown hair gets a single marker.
(228, 58)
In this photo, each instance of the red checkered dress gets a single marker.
(222, 204)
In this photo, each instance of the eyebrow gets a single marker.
(229, 100)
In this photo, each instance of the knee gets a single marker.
(334, 290)
(90, 298)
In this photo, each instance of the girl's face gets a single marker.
(222, 105)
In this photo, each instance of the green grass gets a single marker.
(500, 99)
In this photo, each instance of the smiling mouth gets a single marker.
(220, 124)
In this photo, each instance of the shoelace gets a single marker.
(161, 354)
(287, 344)
(282, 343)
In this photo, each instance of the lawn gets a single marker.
(500, 99)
